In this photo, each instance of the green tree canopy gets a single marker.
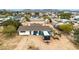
(65, 15)
(37, 13)
(9, 30)
(12, 22)
(47, 17)
(10, 27)
(27, 18)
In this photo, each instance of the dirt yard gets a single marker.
(8, 43)
(62, 44)
(23, 43)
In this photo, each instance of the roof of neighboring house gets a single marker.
(76, 17)
(34, 27)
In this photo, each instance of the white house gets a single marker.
(24, 32)
(64, 20)
(33, 29)
(76, 18)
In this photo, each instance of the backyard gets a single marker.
(34, 43)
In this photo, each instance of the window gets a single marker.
(22, 31)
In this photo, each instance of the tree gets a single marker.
(37, 13)
(9, 30)
(66, 27)
(10, 27)
(76, 35)
(6, 12)
(27, 18)
(29, 14)
(47, 17)
(12, 22)
(65, 15)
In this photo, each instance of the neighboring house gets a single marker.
(64, 20)
(2, 16)
(61, 21)
(40, 14)
(54, 16)
(46, 13)
(35, 29)
(34, 17)
(10, 17)
(14, 17)
(2, 20)
(56, 25)
(76, 18)
(17, 18)
(32, 13)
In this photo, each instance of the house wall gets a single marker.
(32, 32)
(24, 33)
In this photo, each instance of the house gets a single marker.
(40, 14)
(35, 29)
(2, 20)
(76, 18)
(64, 20)
(17, 18)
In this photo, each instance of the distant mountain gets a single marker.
(40, 10)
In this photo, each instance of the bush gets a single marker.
(10, 27)
(9, 30)
(76, 35)
(66, 27)
(65, 15)
(12, 22)
(27, 18)
(47, 17)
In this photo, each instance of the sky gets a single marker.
(39, 4)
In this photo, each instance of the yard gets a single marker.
(34, 42)
(8, 43)
(37, 42)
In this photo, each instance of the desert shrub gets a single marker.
(66, 27)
